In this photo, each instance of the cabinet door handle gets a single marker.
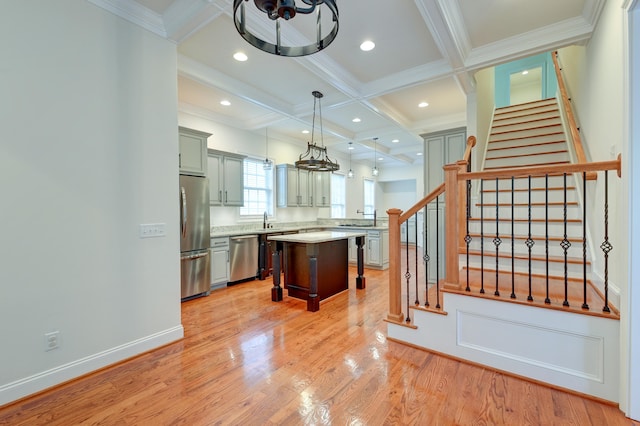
(220, 195)
(226, 197)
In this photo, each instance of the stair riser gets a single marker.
(537, 212)
(523, 197)
(525, 123)
(538, 249)
(536, 131)
(556, 269)
(505, 141)
(540, 114)
(523, 183)
(525, 149)
(523, 160)
(574, 229)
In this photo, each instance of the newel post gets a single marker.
(452, 224)
(395, 292)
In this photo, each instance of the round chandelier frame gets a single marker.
(287, 9)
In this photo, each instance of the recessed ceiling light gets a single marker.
(525, 72)
(240, 56)
(380, 158)
(305, 132)
(367, 45)
(395, 140)
(423, 104)
(225, 102)
(418, 153)
(351, 146)
(356, 120)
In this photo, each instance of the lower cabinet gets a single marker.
(376, 249)
(219, 262)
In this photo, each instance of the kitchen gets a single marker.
(239, 248)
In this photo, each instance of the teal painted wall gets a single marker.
(503, 77)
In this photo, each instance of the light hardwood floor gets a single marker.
(248, 361)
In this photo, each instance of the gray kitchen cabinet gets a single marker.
(377, 250)
(220, 271)
(353, 250)
(192, 156)
(293, 186)
(321, 189)
(226, 178)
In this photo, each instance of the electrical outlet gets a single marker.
(151, 230)
(51, 340)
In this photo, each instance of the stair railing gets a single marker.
(396, 219)
(573, 127)
(456, 199)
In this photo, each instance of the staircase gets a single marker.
(521, 299)
(525, 136)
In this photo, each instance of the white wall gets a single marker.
(88, 151)
(485, 96)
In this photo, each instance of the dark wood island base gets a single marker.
(316, 266)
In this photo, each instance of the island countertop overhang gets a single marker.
(316, 237)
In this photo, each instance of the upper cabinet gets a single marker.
(321, 189)
(192, 158)
(293, 186)
(226, 178)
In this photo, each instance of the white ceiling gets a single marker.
(426, 50)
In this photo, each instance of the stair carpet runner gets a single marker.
(527, 135)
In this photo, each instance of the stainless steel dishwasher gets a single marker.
(243, 253)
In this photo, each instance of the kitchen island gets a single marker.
(316, 265)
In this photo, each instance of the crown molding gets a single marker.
(135, 13)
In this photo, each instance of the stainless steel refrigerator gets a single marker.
(195, 261)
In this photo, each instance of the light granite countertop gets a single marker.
(217, 232)
(316, 237)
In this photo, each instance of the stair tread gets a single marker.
(547, 126)
(521, 283)
(533, 120)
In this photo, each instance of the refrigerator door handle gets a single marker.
(183, 196)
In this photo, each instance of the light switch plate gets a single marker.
(151, 230)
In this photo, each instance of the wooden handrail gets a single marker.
(471, 142)
(544, 170)
(573, 127)
(422, 203)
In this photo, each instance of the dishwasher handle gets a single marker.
(244, 237)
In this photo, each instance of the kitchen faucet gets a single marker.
(375, 215)
(264, 220)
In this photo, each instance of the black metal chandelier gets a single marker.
(287, 9)
(315, 159)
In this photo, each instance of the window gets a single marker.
(258, 189)
(369, 196)
(338, 196)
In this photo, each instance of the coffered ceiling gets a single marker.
(425, 51)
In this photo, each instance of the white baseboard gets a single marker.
(63, 373)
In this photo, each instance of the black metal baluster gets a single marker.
(606, 245)
(497, 240)
(417, 301)
(513, 240)
(438, 252)
(425, 256)
(529, 242)
(467, 238)
(482, 236)
(585, 305)
(565, 244)
(546, 234)
(407, 274)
